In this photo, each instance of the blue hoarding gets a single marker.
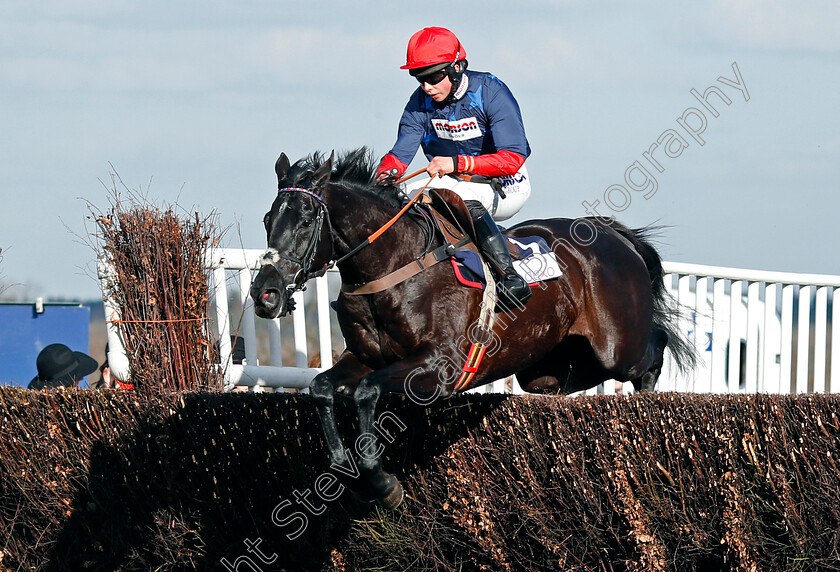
(24, 332)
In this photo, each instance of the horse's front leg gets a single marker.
(347, 371)
(422, 378)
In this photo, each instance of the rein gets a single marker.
(369, 240)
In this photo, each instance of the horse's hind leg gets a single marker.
(549, 376)
(647, 381)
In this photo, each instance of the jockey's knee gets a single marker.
(476, 209)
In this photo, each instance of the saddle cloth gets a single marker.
(532, 259)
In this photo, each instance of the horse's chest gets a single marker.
(382, 334)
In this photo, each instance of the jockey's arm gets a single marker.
(497, 164)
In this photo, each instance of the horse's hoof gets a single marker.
(394, 497)
(388, 493)
(361, 497)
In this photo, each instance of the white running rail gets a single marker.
(756, 331)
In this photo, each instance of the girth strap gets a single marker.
(486, 319)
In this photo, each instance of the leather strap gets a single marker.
(494, 182)
(404, 273)
(455, 239)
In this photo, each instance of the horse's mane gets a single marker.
(354, 169)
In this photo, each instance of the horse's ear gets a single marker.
(322, 176)
(281, 167)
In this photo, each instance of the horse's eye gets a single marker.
(266, 220)
(306, 222)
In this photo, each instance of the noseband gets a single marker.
(303, 275)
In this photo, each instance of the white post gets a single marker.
(667, 379)
(771, 344)
(737, 329)
(803, 366)
(247, 325)
(703, 335)
(820, 340)
(688, 326)
(299, 322)
(322, 293)
(720, 336)
(834, 385)
(755, 327)
(786, 357)
(275, 343)
(275, 346)
(223, 319)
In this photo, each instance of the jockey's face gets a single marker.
(439, 91)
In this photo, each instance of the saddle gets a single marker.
(532, 258)
(452, 220)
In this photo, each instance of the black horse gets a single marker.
(606, 317)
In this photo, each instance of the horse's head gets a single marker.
(299, 236)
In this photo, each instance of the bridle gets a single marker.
(303, 275)
(306, 261)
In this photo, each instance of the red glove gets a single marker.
(390, 166)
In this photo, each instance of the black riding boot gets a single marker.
(514, 291)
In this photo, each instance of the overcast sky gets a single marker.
(193, 102)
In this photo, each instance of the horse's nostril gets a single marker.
(271, 298)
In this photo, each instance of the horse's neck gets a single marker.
(354, 218)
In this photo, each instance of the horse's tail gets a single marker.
(666, 310)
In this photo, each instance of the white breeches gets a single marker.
(517, 189)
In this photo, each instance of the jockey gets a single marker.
(466, 122)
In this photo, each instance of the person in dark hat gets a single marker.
(59, 366)
(107, 380)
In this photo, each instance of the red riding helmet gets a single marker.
(432, 46)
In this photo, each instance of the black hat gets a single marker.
(58, 366)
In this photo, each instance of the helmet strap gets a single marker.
(455, 78)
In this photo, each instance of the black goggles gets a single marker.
(433, 78)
